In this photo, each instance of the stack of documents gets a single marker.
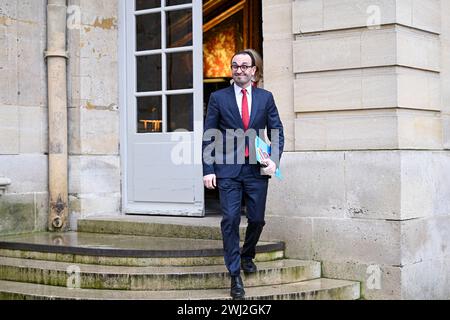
(263, 152)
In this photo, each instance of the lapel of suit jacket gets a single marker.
(234, 107)
(255, 106)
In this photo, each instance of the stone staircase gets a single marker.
(162, 258)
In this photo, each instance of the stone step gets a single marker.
(318, 289)
(155, 226)
(124, 250)
(152, 278)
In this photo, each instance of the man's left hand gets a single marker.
(270, 167)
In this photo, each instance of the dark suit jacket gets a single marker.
(223, 113)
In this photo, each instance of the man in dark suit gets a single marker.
(235, 116)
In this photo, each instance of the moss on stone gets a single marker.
(16, 217)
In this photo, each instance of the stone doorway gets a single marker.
(228, 27)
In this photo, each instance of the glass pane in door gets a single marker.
(149, 114)
(179, 70)
(147, 4)
(149, 73)
(179, 28)
(177, 2)
(180, 112)
(148, 32)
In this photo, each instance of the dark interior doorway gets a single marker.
(228, 27)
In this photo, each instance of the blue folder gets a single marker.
(263, 151)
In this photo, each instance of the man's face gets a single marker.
(240, 77)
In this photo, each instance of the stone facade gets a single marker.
(363, 89)
(366, 186)
(94, 161)
(23, 116)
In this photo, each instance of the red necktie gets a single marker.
(245, 116)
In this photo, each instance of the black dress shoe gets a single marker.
(237, 288)
(248, 266)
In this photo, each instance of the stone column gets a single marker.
(366, 189)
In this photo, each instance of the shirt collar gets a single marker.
(238, 89)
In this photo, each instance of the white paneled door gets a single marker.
(162, 99)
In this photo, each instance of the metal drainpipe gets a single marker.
(56, 56)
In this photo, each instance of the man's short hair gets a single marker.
(247, 53)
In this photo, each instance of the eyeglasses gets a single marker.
(244, 67)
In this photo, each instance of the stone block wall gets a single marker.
(23, 116)
(94, 160)
(365, 187)
(277, 47)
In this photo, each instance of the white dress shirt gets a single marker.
(239, 94)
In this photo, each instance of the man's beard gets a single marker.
(241, 79)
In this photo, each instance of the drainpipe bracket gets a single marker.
(58, 54)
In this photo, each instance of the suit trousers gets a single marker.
(231, 191)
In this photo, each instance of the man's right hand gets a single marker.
(210, 181)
